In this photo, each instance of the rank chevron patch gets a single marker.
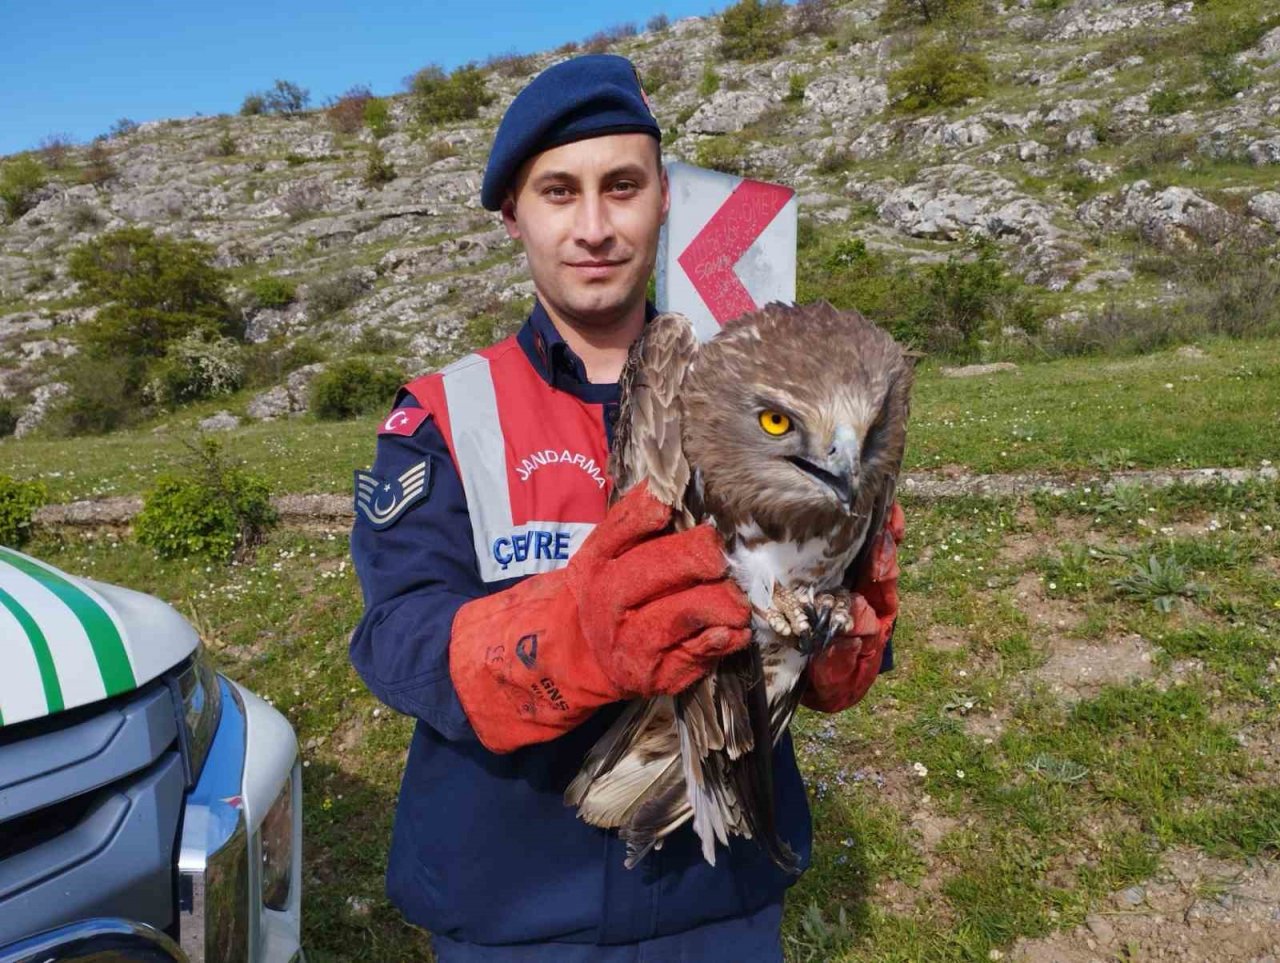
(383, 501)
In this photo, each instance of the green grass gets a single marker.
(1034, 823)
(1067, 416)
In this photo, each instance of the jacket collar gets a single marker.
(556, 363)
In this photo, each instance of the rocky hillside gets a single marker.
(1101, 131)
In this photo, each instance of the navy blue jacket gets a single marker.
(484, 849)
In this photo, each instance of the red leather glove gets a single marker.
(843, 673)
(637, 611)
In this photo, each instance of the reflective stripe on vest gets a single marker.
(504, 549)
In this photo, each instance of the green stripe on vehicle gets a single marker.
(108, 647)
(40, 646)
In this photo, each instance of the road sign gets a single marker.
(729, 246)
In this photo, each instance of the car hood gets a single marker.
(67, 641)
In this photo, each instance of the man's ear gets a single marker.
(509, 217)
(666, 194)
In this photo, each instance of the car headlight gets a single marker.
(277, 849)
(201, 710)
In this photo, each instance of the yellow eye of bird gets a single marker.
(774, 423)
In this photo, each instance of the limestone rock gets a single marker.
(978, 370)
(1266, 206)
(42, 401)
(220, 421)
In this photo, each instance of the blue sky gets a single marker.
(74, 67)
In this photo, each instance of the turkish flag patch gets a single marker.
(403, 421)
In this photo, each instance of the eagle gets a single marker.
(786, 432)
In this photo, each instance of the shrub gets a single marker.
(795, 89)
(20, 179)
(192, 368)
(272, 291)
(377, 117)
(54, 151)
(98, 168)
(8, 418)
(302, 200)
(658, 23)
(286, 98)
(438, 98)
(267, 363)
(353, 387)
(897, 12)
(511, 64)
(102, 396)
(155, 290)
(214, 509)
(330, 295)
(253, 105)
(346, 113)
(939, 74)
(709, 82)
(122, 127)
(83, 217)
(438, 149)
(962, 300)
(1226, 77)
(815, 18)
(224, 146)
(378, 170)
(18, 503)
(1164, 103)
(723, 152)
(753, 29)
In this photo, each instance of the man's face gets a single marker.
(588, 214)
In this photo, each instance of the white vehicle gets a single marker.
(150, 809)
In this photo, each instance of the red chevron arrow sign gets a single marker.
(710, 258)
(729, 246)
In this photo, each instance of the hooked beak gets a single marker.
(839, 469)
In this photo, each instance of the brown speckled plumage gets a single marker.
(689, 424)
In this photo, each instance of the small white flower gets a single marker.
(919, 769)
(959, 773)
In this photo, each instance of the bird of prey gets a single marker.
(786, 432)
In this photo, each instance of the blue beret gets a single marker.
(584, 97)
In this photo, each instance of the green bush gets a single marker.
(724, 152)
(103, 395)
(214, 509)
(378, 170)
(194, 367)
(1226, 77)
(355, 386)
(438, 98)
(377, 117)
(899, 12)
(253, 105)
(658, 23)
(795, 89)
(154, 290)
(20, 179)
(268, 362)
(8, 418)
(224, 146)
(330, 295)
(18, 503)
(1165, 103)
(273, 291)
(708, 83)
(961, 300)
(939, 74)
(753, 29)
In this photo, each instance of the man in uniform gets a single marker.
(513, 613)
